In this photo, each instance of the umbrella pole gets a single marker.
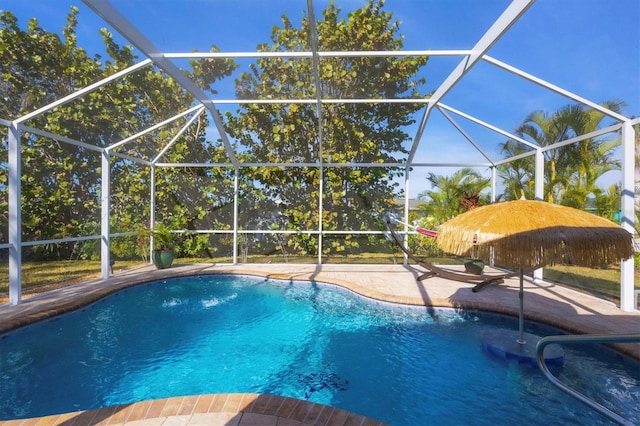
(521, 316)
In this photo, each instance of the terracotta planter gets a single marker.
(163, 258)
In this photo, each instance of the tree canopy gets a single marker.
(352, 133)
(61, 193)
(571, 171)
(327, 159)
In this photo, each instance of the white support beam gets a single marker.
(152, 209)
(515, 157)
(130, 158)
(414, 165)
(15, 216)
(627, 300)
(554, 88)
(285, 165)
(323, 101)
(466, 136)
(59, 138)
(323, 54)
(509, 17)
(539, 175)
(84, 91)
(155, 126)
(121, 24)
(236, 204)
(442, 106)
(539, 195)
(313, 43)
(405, 218)
(591, 135)
(105, 214)
(59, 240)
(494, 173)
(177, 136)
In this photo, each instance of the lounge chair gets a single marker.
(481, 280)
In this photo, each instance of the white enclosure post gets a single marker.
(539, 176)
(406, 214)
(539, 195)
(236, 191)
(15, 217)
(493, 184)
(105, 206)
(320, 206)
(627, 299)
(493, 200)
(152, 209)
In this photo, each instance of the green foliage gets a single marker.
(61, 193)
(354, 197)
(446, 198)
(163, 237)
(61, 185)
(608, 202)
(570, 171)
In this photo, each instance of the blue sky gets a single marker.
(589, 47)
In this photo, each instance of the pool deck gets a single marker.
(544, 302)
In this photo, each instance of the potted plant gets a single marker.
(163, 252)
(475, 265)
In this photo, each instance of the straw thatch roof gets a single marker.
(532, 234)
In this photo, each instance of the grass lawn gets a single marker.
(39, 277)
(603, 283)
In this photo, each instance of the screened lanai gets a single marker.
(255, 127)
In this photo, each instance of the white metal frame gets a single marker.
(162, 60)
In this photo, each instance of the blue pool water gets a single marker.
(219, 334)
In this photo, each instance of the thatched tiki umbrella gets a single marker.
(527, 235)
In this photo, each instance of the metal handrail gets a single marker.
(583, 338)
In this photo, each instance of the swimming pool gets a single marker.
(218, 334)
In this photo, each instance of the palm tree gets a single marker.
(571, 171)
(608, 202)
(545, 129)
(592, 157)
(449, 193)
(517, 175)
